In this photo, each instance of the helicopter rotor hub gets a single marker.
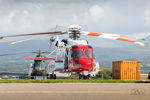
(74, 32)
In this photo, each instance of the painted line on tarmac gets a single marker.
(19, 92)
(61, 92)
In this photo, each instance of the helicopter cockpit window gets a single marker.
(89, 53)
(77, 54)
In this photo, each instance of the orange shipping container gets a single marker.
(126, 70)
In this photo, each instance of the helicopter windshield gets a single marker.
(89, 53)
(77, 54)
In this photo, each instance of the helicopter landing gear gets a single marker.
(32, 77)
(80, 76)
(84, 76)
(53, 76)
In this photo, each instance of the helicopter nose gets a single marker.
(85, 62)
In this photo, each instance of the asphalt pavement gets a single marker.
(74, 91)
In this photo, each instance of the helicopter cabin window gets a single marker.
(77, 54)
(89, 53)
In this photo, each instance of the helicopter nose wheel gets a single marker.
(53, 76)
(84, 76)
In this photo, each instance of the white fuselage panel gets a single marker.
(77, 42)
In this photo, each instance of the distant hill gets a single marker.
(104, 55)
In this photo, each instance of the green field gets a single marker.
(70, 81)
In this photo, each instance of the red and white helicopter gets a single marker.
(74, 54)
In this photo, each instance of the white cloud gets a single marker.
(7, 19)
(21, 20)
(96, 13)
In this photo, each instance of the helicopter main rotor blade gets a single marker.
(31, 34)
(39, 58)
(29, 53)
(46, 52)
(8, 54)
(22, 57)
(113, 37)
(41, 52)
(27, 40)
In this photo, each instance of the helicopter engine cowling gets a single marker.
(74, 28)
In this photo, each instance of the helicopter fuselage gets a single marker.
(81, 58)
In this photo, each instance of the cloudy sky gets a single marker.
(110, 16)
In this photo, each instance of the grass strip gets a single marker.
(69, 81)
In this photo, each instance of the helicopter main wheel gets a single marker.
(54, 76)
(80, 76)
(51, 76)
(32, 77)
(84, 77)
(47, 76)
